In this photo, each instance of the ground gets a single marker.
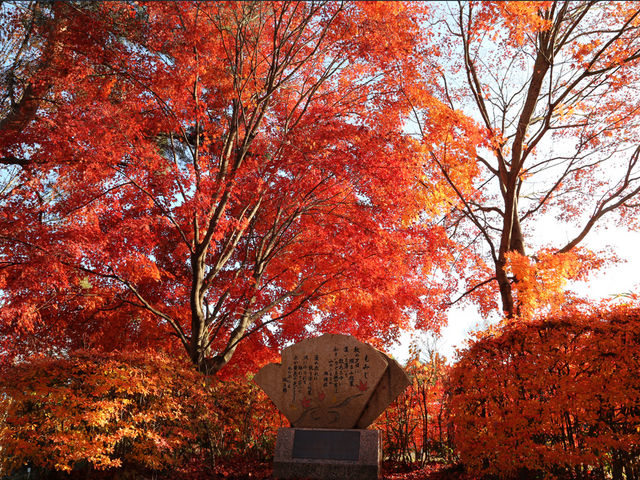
(262, 471)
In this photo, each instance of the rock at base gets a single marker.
(326, 454)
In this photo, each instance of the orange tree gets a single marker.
(415, 427)
(229, 175)
(552, 85)
(551, 397)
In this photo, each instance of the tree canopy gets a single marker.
(552, 87)
(188, 187)
(224, 173)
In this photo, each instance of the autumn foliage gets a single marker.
(552, 397)
(415, 428)
(552, 85)
(187, 187)
(102, 410)
(127, 412)
(198, 174)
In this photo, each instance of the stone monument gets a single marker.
(330, 388)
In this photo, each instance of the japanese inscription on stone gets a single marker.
(329, 381)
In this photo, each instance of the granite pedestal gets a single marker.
(327, 454)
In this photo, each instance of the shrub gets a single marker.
(122, 413)
(139, 410)
(244, 422)
(552, 397)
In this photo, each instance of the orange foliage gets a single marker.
(244, 422)
(133, 409)
(415, 428)
(126, 412)
(541, 280)
(521, 19)
(553, 396)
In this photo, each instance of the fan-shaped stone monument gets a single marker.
(330, 388)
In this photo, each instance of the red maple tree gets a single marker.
(224, 173)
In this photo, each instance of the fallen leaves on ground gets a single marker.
(254, 470)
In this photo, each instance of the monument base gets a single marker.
(326, 454)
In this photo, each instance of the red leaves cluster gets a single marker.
(206, 169)
(551, 396)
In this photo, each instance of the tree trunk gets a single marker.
(511, 240)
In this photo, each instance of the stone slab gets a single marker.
(288, 463)
(324, 382)
(393, 383)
